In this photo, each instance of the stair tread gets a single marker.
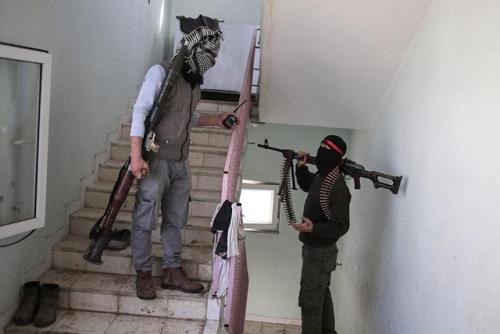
(202, 129)
(106, 283)
(192, 148)
(197, 253)
(123, 216)
(81, 243)
(107, 186)
(84, 322)
(215, 171)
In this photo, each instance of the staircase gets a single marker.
(102, 298)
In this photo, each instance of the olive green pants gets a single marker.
(315, 299)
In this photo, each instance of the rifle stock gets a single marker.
(102, 234)
(347, 167)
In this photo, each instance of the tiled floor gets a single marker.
(82, 322)
(253, 327)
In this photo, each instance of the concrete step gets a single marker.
(196, 233)
(97, 196)
(199, 156)
(212, 106)
(84, 322)
(68, 254)
(111, 293)
(202, 178)
(211, 136)
(197, 208)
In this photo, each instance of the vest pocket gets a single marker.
(171, 127)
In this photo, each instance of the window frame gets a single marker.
(260, 185)
(44, 59)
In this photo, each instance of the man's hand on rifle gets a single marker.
(302, 158)
(306, 226)
(139, 168)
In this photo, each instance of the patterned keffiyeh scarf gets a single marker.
(203, 48)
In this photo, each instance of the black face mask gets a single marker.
(326, 160)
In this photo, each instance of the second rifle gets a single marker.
(347, 167)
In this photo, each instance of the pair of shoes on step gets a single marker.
(38, 305)
(171, 278)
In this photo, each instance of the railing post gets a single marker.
(237, 292)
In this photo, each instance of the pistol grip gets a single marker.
(357, 184)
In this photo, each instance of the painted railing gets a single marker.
(236, 297)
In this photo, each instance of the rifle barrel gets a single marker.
(310, 159)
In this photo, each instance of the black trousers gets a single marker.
(315, 299)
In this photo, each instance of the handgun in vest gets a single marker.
(347, 167)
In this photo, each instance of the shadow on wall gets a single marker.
(372, 237)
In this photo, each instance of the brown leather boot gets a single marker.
(176, 279)
(144, 285)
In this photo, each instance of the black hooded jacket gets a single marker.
(325, 232)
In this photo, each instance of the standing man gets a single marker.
(325, 220)
(166, 182)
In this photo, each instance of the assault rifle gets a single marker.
(347, 167)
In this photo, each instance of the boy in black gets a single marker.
(325, 220)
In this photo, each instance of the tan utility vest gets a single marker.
(174, 130)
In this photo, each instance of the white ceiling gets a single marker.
(330, 63)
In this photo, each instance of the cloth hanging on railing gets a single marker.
(227, 226)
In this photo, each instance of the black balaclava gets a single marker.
(329, 158)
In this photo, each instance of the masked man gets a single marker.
(325, 220)
(166, 182)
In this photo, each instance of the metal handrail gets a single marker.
(232, 166)
(237, 292)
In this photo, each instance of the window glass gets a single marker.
(19, 118)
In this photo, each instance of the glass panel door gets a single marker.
(19, 135)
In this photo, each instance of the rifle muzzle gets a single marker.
(94, 253)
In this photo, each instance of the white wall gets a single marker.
(426, 260)
(101, 50)
(331, 62)
(274, 260)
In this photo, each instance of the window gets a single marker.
(260, 206)
(24, 115)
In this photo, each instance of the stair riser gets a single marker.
(210, 139)
(113, 303)
(197, 138)
(199, 182)
(99, 200)
(72, 260)
(198, 159)
(81, 226)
